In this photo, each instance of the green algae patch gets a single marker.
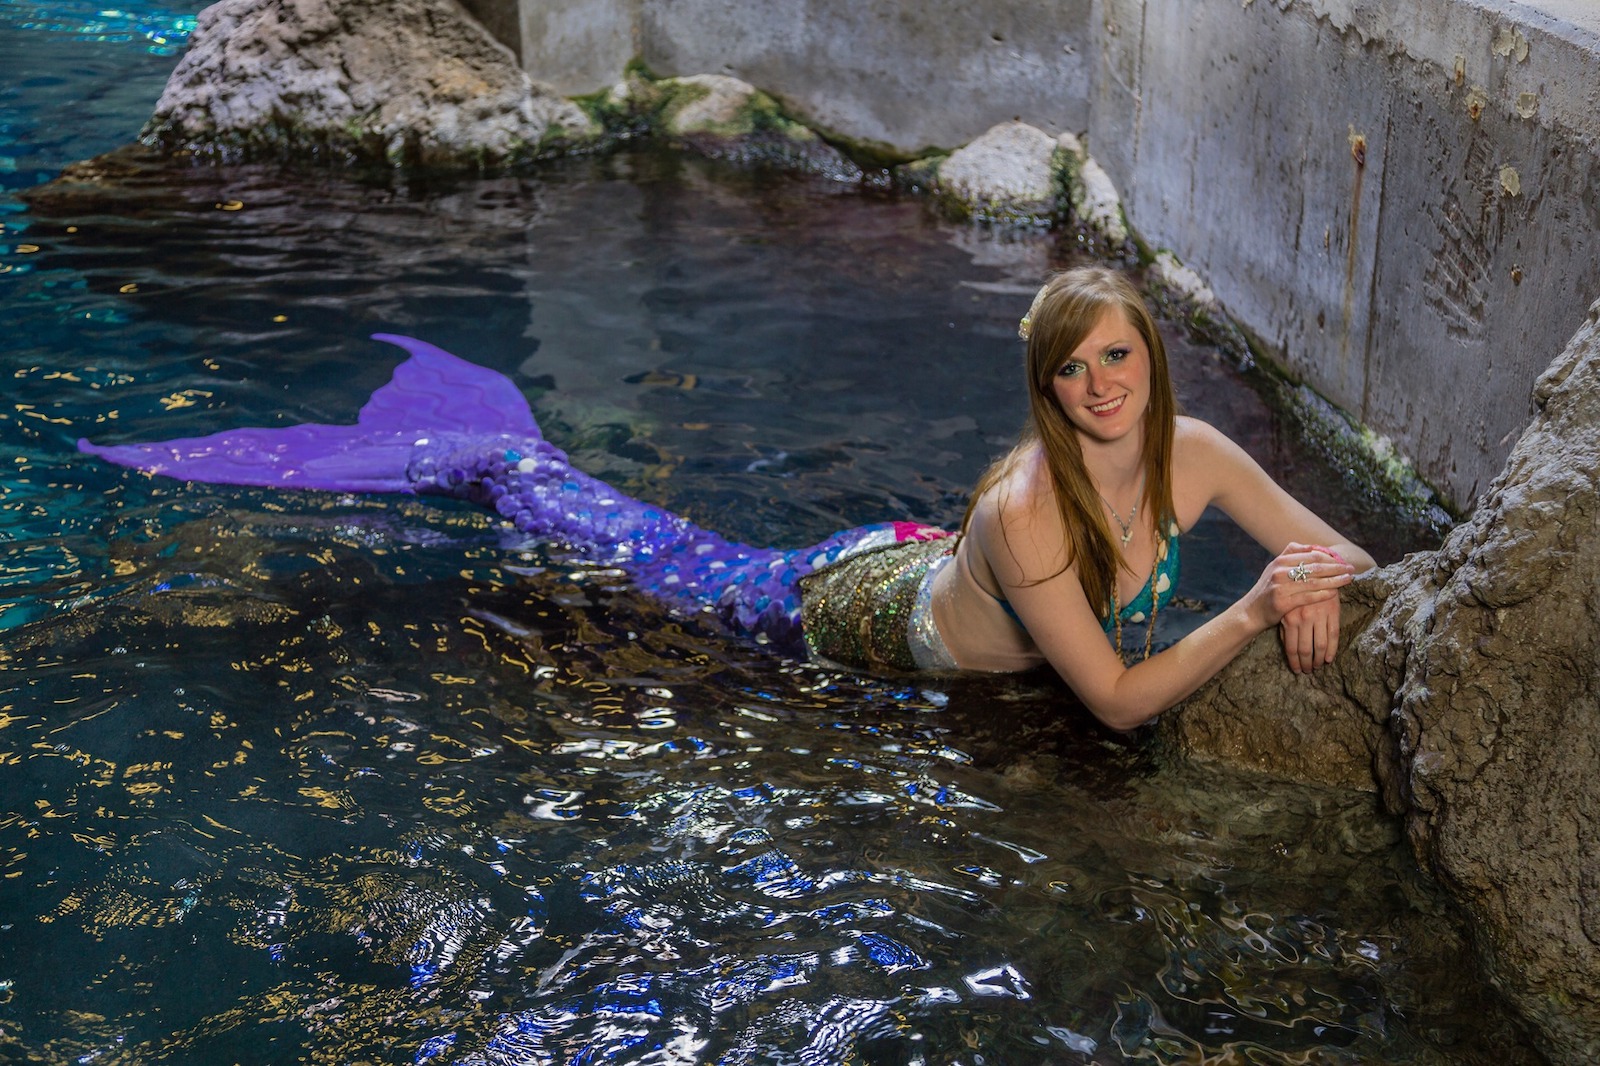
(718, 117)
(1368, 459)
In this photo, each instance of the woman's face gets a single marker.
(1104, 387)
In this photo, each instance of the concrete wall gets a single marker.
(907, 76)
(576, 46)
(904, 76)
(1400, 197)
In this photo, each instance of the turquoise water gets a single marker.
(314, 778)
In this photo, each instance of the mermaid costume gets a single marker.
(444, 426)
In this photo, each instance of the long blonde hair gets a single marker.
(1066, 310)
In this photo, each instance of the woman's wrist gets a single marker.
(1329, 551)
(1251, 617)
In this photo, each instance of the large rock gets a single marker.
(413, 81)
(1469, 695)
(1015, 173)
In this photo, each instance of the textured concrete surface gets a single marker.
(1399, 199)
(576, 47)
(905, 77)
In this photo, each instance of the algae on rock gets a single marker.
(722, 118)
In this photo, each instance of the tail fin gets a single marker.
(431, 392)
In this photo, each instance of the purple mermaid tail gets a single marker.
(446, 426)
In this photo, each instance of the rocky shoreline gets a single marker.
(419, 83)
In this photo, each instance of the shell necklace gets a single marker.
(1126, 527)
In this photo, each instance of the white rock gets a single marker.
(1010, 163)
(724, 99)
(1181, 280)
(1092, 194)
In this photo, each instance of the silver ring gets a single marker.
(1300, 573)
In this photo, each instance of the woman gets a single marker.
(1033, 578)
(1076, 530)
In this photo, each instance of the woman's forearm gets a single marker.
(1299, 578)
(1355, 555)
(1148, 688)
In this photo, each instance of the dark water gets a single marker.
(309, 778)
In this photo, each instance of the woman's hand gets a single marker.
(1297, 590)
(1311, 635)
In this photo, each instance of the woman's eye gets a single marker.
(1115, 355)
(1071, 370)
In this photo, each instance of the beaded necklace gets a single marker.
(1155, 604)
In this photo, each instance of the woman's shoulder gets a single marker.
(1016, 526)
(1022, 487)
(1193, 432)
(1207, 464)
(1200, 445)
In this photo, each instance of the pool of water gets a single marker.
(322, 778)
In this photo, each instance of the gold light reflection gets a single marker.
(185, 398)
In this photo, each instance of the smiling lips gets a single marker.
(1110, 407)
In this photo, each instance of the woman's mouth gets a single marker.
(1110, 407)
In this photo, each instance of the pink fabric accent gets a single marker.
(1328, 551)
(904, 531)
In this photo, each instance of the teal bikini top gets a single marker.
(1158, 591)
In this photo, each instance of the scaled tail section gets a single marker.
(432, 392)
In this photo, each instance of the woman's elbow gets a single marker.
(1119, 701)
(1121, 717)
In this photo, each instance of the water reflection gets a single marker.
(387, 832)
(338, 779)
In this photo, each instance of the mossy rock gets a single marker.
(721, 118)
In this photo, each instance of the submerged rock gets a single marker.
(404, 81)
(723, 118)
(1468, 695)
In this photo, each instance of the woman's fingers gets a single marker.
(1328, 574)
(1295, 579)
(1290, 635)
(1289, 594)
(1310, 632)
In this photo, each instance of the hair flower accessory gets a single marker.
(1025, 327)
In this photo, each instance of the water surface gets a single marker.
(327, 778)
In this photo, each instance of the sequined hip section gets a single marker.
(873, 610)
(928, 649)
